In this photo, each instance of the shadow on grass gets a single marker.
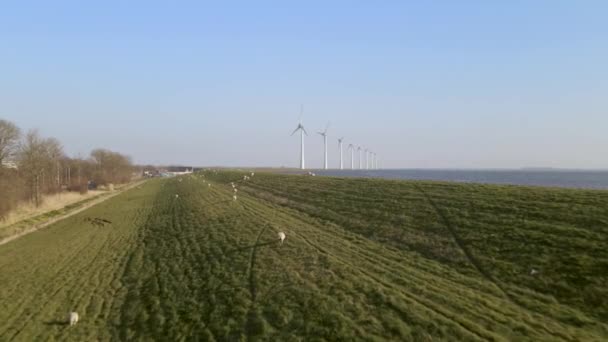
(215, 203)
(56, 322)
(259, 244)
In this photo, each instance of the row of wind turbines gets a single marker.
(371, 158)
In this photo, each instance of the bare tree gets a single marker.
(111, 167)
(35, 164)
(44, 168)
(54, 153)
(9, 140)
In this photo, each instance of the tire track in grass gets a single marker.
(94, 201)
(44, 266)
(491, 287)
(448, 223)
(362, 252)
(64, 287)
(478, 265)
(497, 292)
(409, 297)
(104, 241)
(121, 235)
(61, 273)
(66, 274)
(426, 301)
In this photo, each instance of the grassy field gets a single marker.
(363, 260)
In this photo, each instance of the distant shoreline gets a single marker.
(572, 179)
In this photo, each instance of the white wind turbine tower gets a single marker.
(360, 157)
(302, 132)
(324, 135)
(351, 147)
(341, 160)
(366, 159)
(374, 160)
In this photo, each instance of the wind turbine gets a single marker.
(366, 159)
(341, 160)
(373, 160)
(351, 147)
(302, 132)
(360, 157)
(324, 135)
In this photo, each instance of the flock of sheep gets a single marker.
(234, 196)
(73, 316)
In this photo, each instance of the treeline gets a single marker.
(32, 166)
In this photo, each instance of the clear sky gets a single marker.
(426, 84)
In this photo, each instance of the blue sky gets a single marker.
(427, 84)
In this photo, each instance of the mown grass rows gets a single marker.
(363, 259)
(533, 293)
(71, 265)
(562, 235)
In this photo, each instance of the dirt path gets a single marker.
(41, 225)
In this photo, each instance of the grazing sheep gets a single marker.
(176, 196)
(281, 237)
(235, 190)
(209, 185)
(533, 272)
(73, 318)
(252, 174)
(234, 197)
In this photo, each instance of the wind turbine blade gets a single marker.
(304, 130)
(326, 127)
(294, 131)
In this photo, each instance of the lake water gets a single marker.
(551, 178)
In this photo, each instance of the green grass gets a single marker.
(363, 260)
(18, 227)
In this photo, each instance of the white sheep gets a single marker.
(234, 197)
(533, 272)
(176, 196)
(73, 318)
(252, 174)
(235, 190)
(281, 237)
(209, 185)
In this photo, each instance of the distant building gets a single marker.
(186, 172)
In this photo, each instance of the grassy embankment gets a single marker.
(27, 216)
(363, 259)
